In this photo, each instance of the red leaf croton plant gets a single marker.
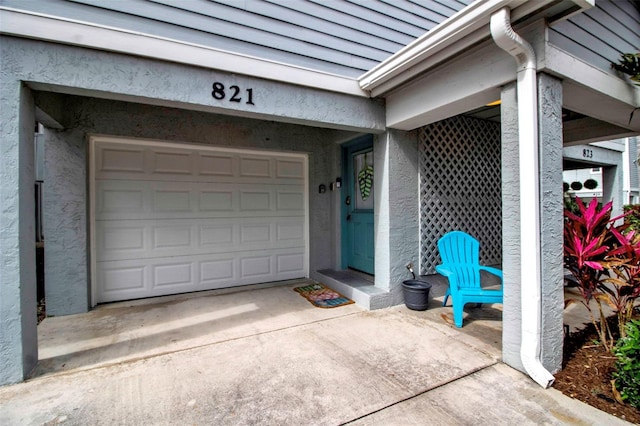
(605, 261)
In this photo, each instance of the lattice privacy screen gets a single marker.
(460, 187)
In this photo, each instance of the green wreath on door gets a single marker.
(365, 180)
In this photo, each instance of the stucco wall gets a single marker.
(396, 209)
(18, 333)
(551, 217)
(511, 326)
(65, 222)
(73, 70)
(65, 181)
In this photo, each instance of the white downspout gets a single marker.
(531, 285)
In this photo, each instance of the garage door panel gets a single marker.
(289, 263)
(125, 239)
(290, 201)
(168, 162)
(117, 161)
(120, 159)
(173, 237)
(173, 275)
(218, 234)
(211, 165)
(165, 200)
(216, 201)
(253, 234)
(217, 272)
(171, 219)
(289, 230)
(162, 200)
(255, 200)
(121, 278)
(256, 267)
(137, 278)
(121, 201)
(130, 238)
(255, 167)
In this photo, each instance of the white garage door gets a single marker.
(174, 218)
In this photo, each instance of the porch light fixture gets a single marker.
(494, 103)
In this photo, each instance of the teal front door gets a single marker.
(358, 235)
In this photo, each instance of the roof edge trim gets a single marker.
(466, 27)
(21, 23)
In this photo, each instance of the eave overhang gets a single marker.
(21, 23)
(458, 33)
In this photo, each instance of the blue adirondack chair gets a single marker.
(460, 264)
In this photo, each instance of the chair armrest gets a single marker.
(442, 270)
(494, 271)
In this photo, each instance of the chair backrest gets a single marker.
(460, 252)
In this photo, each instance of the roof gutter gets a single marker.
(451, 37)
(530, 269)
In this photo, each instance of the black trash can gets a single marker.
(416, 294)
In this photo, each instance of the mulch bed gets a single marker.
(586, 375)
(42, 311)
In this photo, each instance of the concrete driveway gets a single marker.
(264, 355)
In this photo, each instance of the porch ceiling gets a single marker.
(577, 128)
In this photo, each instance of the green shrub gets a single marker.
(590, 184)
(633, 218)
(571, 205)
(627, 374)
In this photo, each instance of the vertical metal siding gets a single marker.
(634, 167)
(601, 34)
(345, 37)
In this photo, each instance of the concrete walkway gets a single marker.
(267, 356)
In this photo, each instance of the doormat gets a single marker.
(322, 296)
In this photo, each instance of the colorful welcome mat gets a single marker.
(322, 297)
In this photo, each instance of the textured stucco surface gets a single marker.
(511, 327)
(67, 69)
(551, 218)
(18, 337)
(64, 222)
(612, 186)
(550, 140)
(65, 180)
(396, 217)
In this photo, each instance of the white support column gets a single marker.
(511, 314)
(550, 208)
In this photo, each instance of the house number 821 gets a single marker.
(219, 92)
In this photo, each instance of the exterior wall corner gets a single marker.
(18, 318)
(396, 217)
